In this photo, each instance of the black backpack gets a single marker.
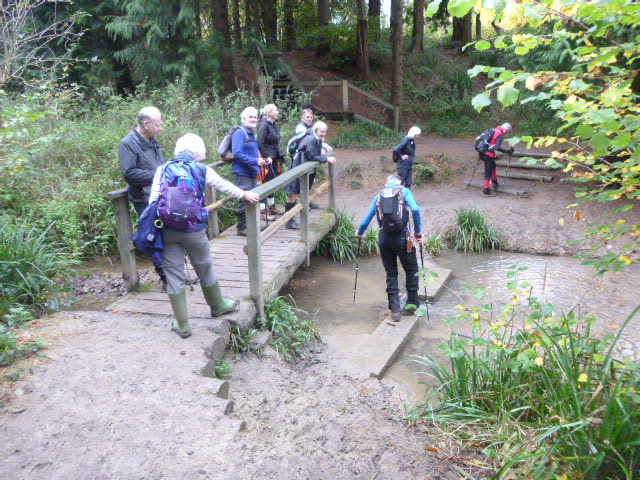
(392, 213)
(482, 144)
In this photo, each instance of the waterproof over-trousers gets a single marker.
(393, 246)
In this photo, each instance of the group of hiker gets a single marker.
(171, 194)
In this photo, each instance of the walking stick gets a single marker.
(507, 171)
(355, 285)
(474, 172)
(424, 282)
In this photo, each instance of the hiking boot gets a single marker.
(293, 224)
(314, 206)
(242, 231)
(486, 192)
(395, 316)
(179, 306)
(264, 215)
(495, 184)
(275, 210)
(218, 304)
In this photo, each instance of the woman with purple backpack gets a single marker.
(184, 226)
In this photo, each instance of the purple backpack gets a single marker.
(181, 196)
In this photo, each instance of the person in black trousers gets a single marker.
(489, 158)
(404, 153)
(269, 147)
(397, 245)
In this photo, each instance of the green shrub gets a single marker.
(365, 135)
(33, 270)
(546, 398)
(289, 334)
(341, 243)
(433, 243)
(421, 174)
(471, 232)
(222, 368)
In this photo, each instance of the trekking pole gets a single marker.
(507, 171)
(355, 285)
(424, 282)
(474, 172)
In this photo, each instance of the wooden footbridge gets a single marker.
(249, 268)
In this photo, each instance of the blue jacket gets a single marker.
(408, 200)
(245, 153)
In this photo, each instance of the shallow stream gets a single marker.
(325, 291)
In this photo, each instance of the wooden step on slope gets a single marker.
(525, 176)
(516, 164)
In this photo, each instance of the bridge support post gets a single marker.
(331, 168)
(213, 226)
(124, 231)
(254, 249)
(345, 96)
(304, 216)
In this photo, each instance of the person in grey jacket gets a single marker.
(140, 156)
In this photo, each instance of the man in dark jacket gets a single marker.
(489, 158)
(403, 155)
(140, 156)
(246, 162)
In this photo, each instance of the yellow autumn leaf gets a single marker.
(539, 361)
(624, 259)
(583, 378)
(561, 221)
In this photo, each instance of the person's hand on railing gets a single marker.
(331, 159)
(250, 196)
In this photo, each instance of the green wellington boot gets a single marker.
(216, 301)
(179, 307)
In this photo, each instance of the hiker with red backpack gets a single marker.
(179, 189)
(393, 207)
(487, 144)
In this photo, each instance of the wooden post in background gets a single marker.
(254, 249)
(331, 168)
(125, 237)
(345, 96)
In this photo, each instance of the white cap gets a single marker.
(506, 127)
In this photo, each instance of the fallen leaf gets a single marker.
(431, 449)
(577, 215)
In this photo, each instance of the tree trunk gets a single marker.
(248, 17)
(462, 29)
(196, 13)
(418, 26)
(396, 48)
(363, 42)
(269, 21)
(221, 26)
(237, 33)
(289, 25)
(478, 26)
(324, 17)
(374, 19)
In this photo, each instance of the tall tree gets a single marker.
(237, 33)
(324, 17)
(396, 48)
(374, 19)
(462, 29)
(418, 27)
(363, 42)
(269, 20)
(478, 26)
(221, 27)
(288, 33)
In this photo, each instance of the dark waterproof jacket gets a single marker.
(139, 160)
(269, 139)
(310, 150)
(406, 147)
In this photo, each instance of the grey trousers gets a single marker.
(245, 183)
(197, 246)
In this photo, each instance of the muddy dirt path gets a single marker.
(119, 396)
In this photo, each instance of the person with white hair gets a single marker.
(189, 152)
(246, 163)
(403, 155)
(140, 156)
(489, 158)
(309, 150)
(269, 146)
(394, 241)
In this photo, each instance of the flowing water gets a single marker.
(325, 291)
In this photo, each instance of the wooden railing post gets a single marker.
(304, 216)
(213, 226)
(331, 168)
(254, 249)
(125, 236)
(345, 96)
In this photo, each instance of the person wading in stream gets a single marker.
(391, 208)
(489, 158)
